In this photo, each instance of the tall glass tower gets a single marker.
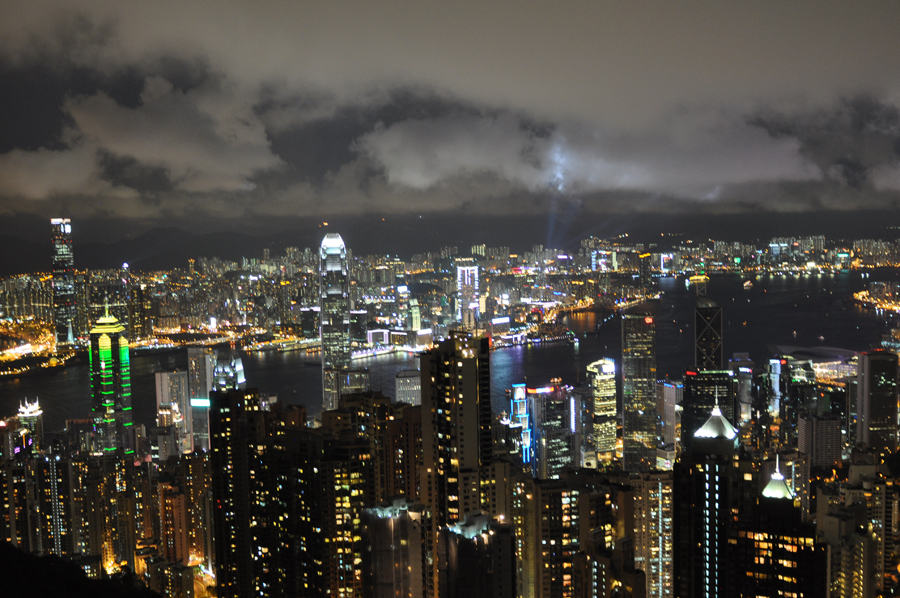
(602, 376)
(201, 378)
(111, 386)
(639, 421)
(64, 304)
(466, 290)
(334, 313)
(876, 400)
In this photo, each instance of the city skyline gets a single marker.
(158, 117)
(290, 496)
(572, 300)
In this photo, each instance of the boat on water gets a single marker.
(748, 284)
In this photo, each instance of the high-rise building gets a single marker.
(645, 270)
(602, 379)
(873, 500)
(201, 379)
(456, 425)
(820, 438)
(639, 421)
(229, 373)
(556, 430)
(702, 507)
(653, 526)
(55, 484)
(139, 310)
(173, 522)
(64, 302)
(397, 534)
(851, 552)
(408, 387)
(233, 438)
(466, 291)
(708, 335)
(876, 400)
(772, 551)
(352, 381)
(334, 310)
(703, 390)
(476, 559)
(668, 396)
(172, 390)
(31, 417)
(110, 364)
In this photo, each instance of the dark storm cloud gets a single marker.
(241, 109)
(855, 143)
(316, 135)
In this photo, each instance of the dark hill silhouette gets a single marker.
(24, 574)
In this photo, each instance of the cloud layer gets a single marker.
(300, 110)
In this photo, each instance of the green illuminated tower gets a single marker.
(111, 386)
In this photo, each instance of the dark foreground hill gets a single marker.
(23, 574)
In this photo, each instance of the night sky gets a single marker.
(224, 116)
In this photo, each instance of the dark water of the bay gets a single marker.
(755, 320)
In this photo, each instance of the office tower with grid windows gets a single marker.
(602, 379)
(639, 417)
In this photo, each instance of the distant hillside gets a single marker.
(25, 239)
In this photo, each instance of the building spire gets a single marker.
(716, 410)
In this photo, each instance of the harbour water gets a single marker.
(802, 311)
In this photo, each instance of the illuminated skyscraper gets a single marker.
(408, 387)
(235, 434)
(602, 378)
(54, 482)
(556, 433)
(703, 390)
(703, 509)
(32, 417)
(639, 421)
(64, 303)
(229, 373)
(774, 552)
(172, 390)
(876, 400)
(466, 290)
(456, 425)
(111, 386)
(334, 312)
(201, 378)
(654, 521)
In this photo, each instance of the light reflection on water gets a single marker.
(778, 306)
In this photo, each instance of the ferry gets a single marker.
(748, 284)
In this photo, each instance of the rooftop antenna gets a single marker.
(716, 410)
